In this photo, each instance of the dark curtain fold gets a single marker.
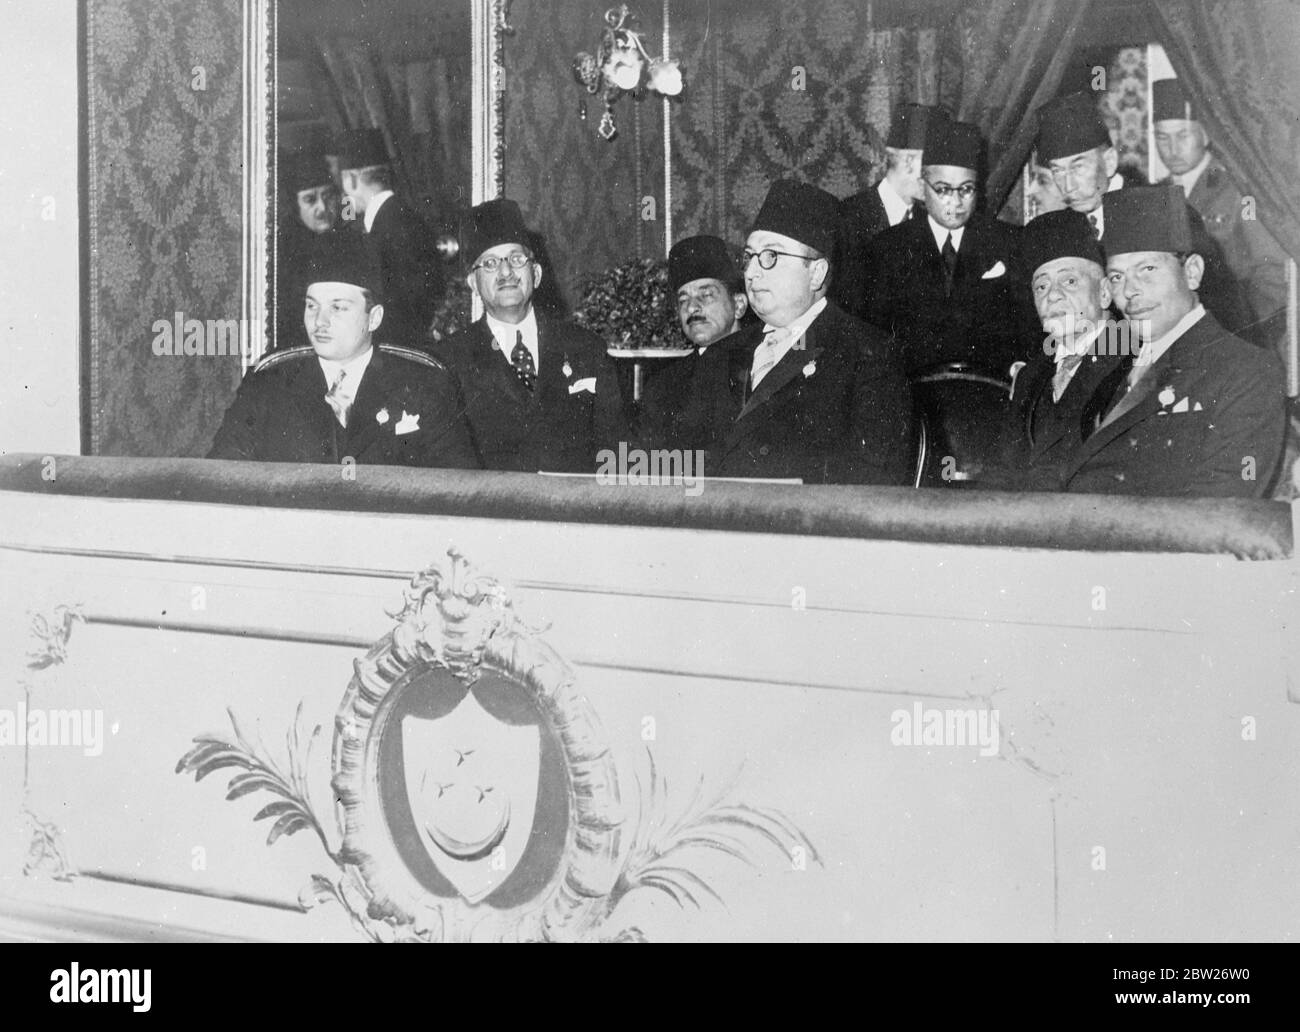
(1240, 65)
(1013, 54)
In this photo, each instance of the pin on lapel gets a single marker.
(381, 417)
(566, 369)
(810, 368)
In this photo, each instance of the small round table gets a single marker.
(637, 355)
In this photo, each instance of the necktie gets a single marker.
(1092, 221)
(522, 359)
(949, 264)
(1064, 370)
(339, 402)
(765, 355)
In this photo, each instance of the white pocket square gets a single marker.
(998, 270)
(408, 424)
(587, 384)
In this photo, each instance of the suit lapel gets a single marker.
(362, 425)
(493, 371)
(790, 366)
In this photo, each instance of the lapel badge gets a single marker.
(810, 368)
(1166, 397)
(381, 417)
(566, 369)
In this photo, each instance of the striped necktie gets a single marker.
(765, 355)
(338, 401)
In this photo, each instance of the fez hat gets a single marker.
(361, 148)
(802, 212)
(1060, 234)
(344, 258)
(1147, 218)
(908, 127)
(1169, 101)
(702, 257)
(490, 224)
(953, 143)
(1070, 125)
(303, 170)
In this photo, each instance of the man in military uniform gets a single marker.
(705, 281)
(1199, 412)
(889, 202)
(398, 239)
(813, 393)
(1253, 256)
(541, 395)
(1075, 144)
(346, 398)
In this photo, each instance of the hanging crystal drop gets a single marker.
(607, 127)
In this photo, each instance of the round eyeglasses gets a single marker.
(767, 257)
(965, 191)
(516, 260)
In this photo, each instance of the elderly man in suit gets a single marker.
(1199, 411)
(811, 394)
(345, 399)
(705, 280)
(307, 226)
(541, 395)
(899, 192)
(398, 239)
(949, 286)
(1252, 255)
(1074, 143)
(1081, 347)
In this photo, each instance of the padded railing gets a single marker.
(1247, 529)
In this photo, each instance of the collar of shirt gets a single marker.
(1151, 351)
(1081, 345)
(1189, 179)
(355, 368)
(896, 208)
(372, 209)
(507, 333)
(797, 328)
(941, 234)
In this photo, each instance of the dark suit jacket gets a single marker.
(404, 249)
(988, 321)
(553, 428)
(665, 393)
(862, 218)
(1210, 408)
(280, 415)
(838, 410)
(1041, 434)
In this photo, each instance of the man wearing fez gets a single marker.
(540, 394)
(1080, 349)
(812, 393)
(886, 204)
(398, 239)
(710, 296)
(1199, 411)
(1252, 255)
(949, 286)
(308, 225)
(345, 398)
(1074, 143)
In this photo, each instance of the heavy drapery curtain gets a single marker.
(1240, 65)
(411, 102)
(1011, 56)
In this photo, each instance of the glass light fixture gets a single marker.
(622, 65)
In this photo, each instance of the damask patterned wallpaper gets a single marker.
(164, 91)
(772, 89)
(1125, 107)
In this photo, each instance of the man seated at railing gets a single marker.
(1198, 411)
(345, 400)
(812, 394)
(540, 394)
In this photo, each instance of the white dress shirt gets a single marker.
(372, 209)
(941, 234)
(896, 208)
(355, 368)
(796, 331)
(1152, 350)
(1189, 179)
(507, 334)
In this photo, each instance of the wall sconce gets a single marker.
(621, 65)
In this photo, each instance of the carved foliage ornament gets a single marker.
(477, 797)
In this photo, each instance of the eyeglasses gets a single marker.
(965, 191)
(767, 257)
(516, 260)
